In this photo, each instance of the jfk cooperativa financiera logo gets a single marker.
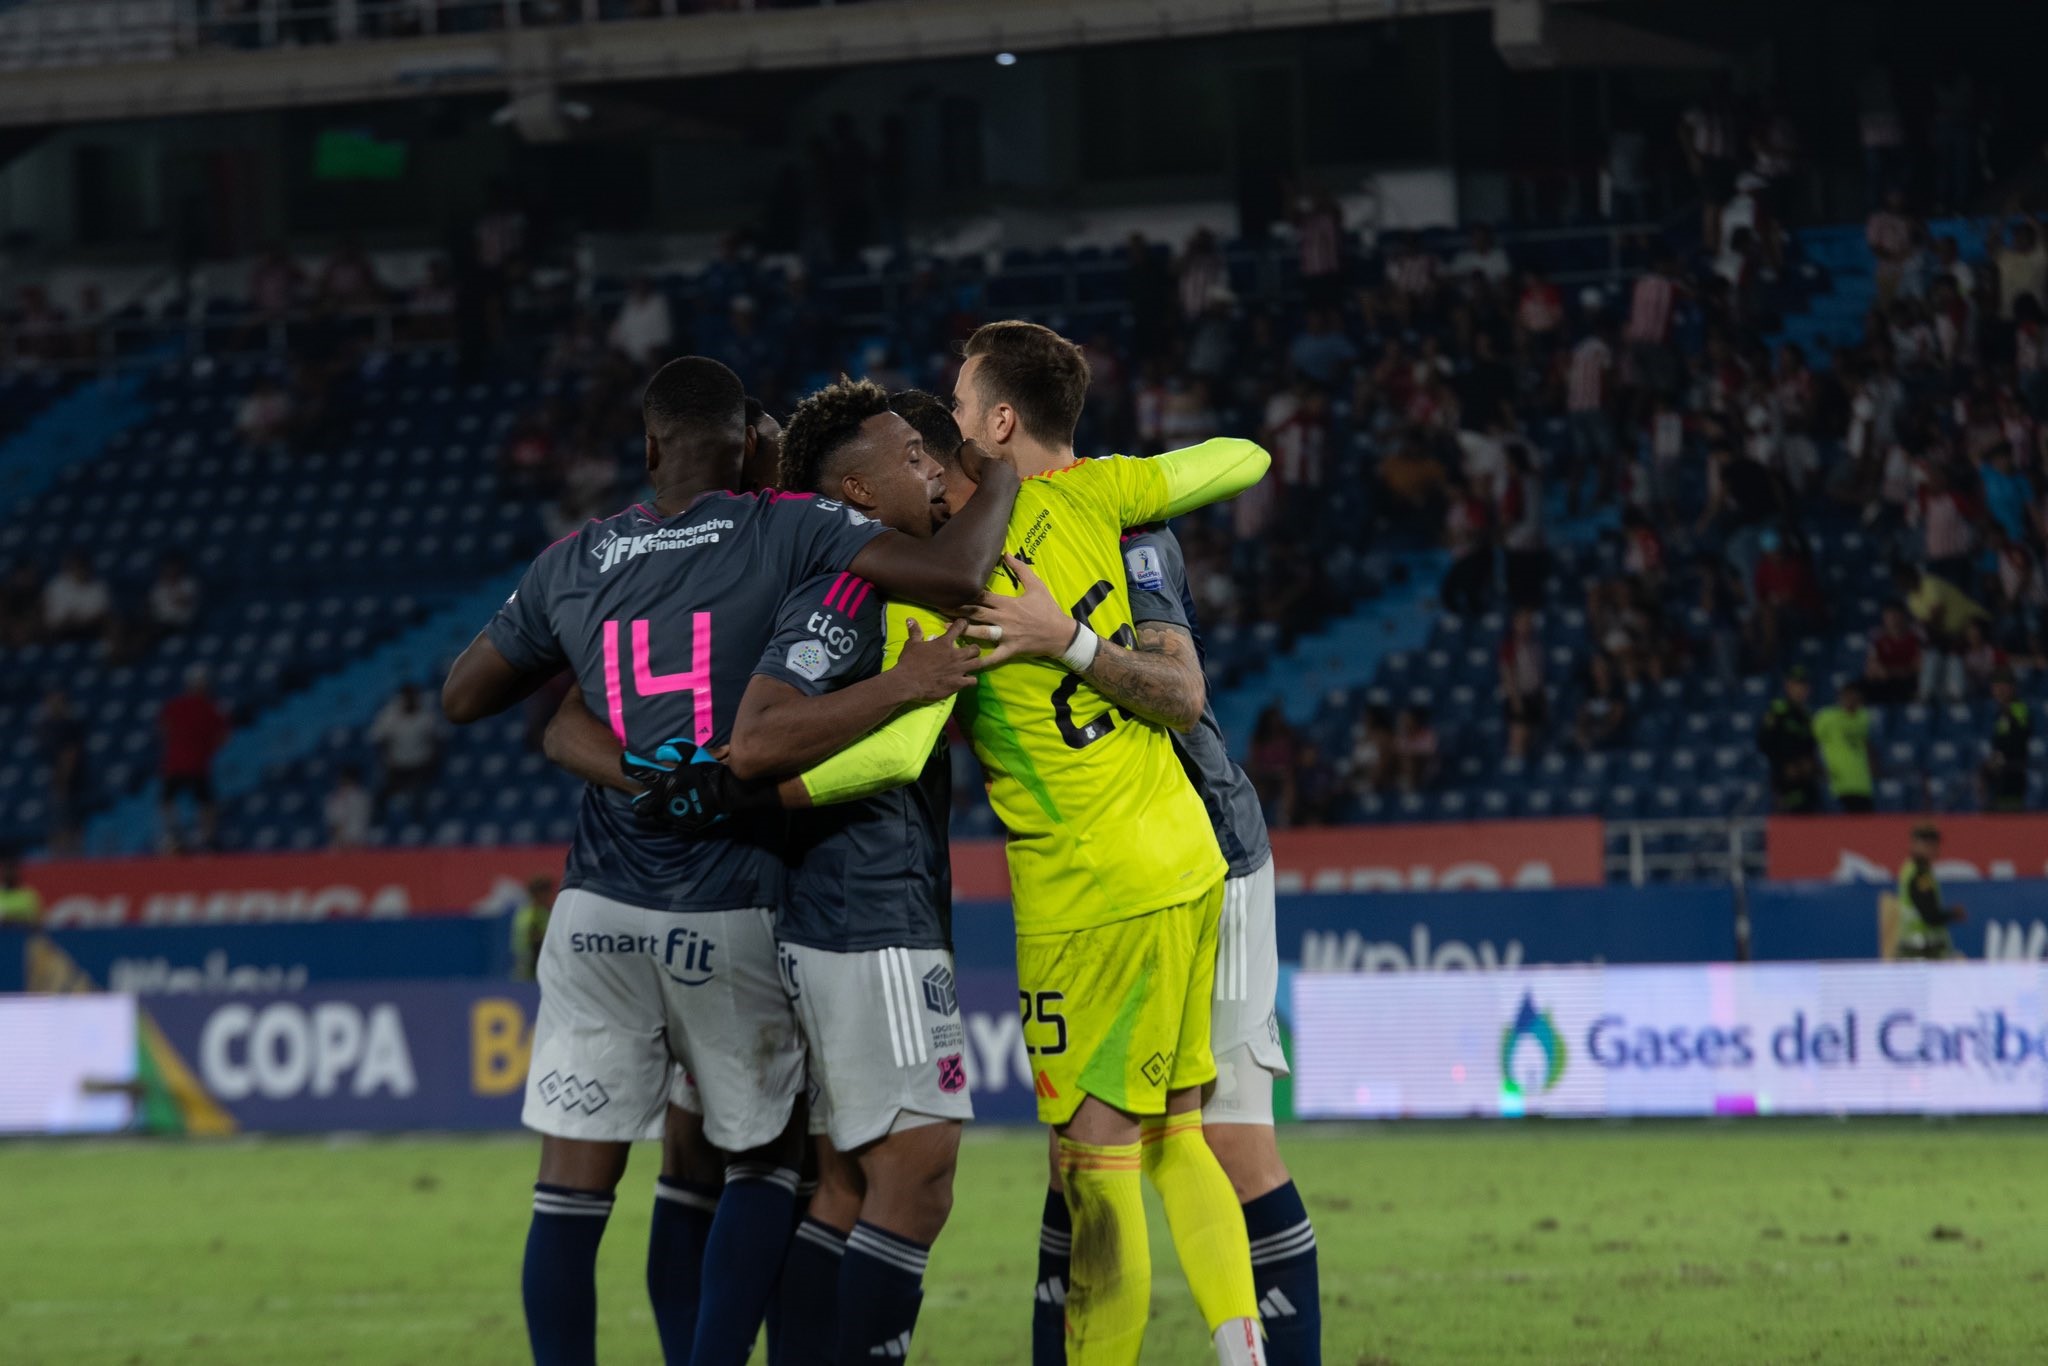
(616, 549)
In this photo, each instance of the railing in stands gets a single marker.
(1730, 850)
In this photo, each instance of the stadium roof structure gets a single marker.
(71, 61)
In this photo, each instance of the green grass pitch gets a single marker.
(1750, 1242)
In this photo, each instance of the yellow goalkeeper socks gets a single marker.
(1208, 1232)
(1109, 1289)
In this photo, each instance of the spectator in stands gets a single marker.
(21, 606)
(1297, 432)
(1710, 141)
(1786, 738)
(1374, 766)
(1944, 613)
(1947, 525)
(1411, 276)
(1539, 314)
(193, 728)
(643, 331)
(1416, 750)
(430, 308)
(2022, 598)
(348, 282)
(1468, 534)
(1720, 607)
(1604, 711)
(1587, 400)
(1525, 700)
(1199, 273)
(2022, 263)
(1983, 660)
(408, 737)
(1270, 761)
(1651, 308)
(1743, 502)
(76, 602)
(1889, 234)
(274, 285)
(1843, 733)
(60, 740)
(173, 603)
(2003, 778)
(1526, 548)
(1319, 241)
(1786, 597)
(264, 418)
(1484, 257)
(1321, 352)
(2008, 491)
(348, 810)
(1891, 667)
(1212, 338)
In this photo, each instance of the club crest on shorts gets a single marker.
(952, 1074)
(808, 659)
(1145, 569)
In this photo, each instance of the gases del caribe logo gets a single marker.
(1529, 1023)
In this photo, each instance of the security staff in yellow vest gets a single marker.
(19, 903)
(1923, 918)
(530, 927)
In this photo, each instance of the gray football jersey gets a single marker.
(1158, 577)
(662, 621)
(874, 873)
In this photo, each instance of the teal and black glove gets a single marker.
(689, 795)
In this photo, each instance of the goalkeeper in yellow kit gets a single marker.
(1114, 867)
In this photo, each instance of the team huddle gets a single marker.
(752, 941)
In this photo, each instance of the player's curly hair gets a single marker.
(822, 426)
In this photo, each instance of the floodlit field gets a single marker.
(1729, 1242)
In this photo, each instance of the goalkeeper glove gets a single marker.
(688, 796)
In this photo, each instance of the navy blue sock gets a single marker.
(559, 1280)
(1049, 1299)
(881, 1285)
(804, 1330)
(1284, 1273)
(675, 1261)
(742, 1259)
(787, 1301)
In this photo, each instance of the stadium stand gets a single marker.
(1324, 606)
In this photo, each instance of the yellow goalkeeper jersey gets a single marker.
(1103, 823)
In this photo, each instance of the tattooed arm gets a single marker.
(1159, 679)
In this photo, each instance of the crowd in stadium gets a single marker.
(1415, 393)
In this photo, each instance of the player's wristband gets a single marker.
(1081, 649)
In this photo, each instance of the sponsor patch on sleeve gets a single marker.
(808, 659)
(1145, 570)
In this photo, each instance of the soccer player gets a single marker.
(662, 948)
(1161, 679)
(865, 924)
(1116, 874)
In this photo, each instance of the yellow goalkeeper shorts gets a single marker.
(1120, 1011)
